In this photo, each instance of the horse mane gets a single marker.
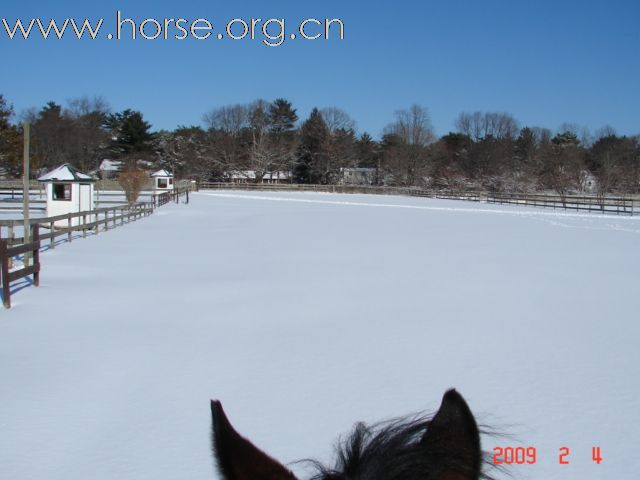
(390, 450)
(445, 446)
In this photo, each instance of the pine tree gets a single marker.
(50, 134)
(311, 152)
(283, 116)
(131, 133)
(282, 119)
(367, 151)
(6, 112)
(562, 164)
(9, 141)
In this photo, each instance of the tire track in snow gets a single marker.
(522, 213)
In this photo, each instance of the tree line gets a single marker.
(488, 150)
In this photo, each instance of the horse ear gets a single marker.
(237, 457)
(452, 440)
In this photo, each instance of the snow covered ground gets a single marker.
(304, 313)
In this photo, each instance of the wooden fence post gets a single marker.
(52, 240)
(6, 292)
(10, 240)
(36, 254)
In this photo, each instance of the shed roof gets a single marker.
(110, 165)
(65, 173)
(161, 173)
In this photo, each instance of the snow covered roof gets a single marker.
(161, 173)
(65, 173)
(277, 175)
(357, 170)
(251, 175)
(110, 165)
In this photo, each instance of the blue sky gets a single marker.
(545, 62)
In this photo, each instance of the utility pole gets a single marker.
(25, 192)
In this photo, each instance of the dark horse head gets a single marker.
(446, 447)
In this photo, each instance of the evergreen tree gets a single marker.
(6, 112)
(562, 164)
(450, 161)
(311, 152)
(131, 133)
(341, 152)
(51, 133)
(10, 159)
(283, 116)
(525, 147)
(367, 151)
(51, 110)
(614, 162)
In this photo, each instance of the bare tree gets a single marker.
(226, 128)
(87, 119)
(413, 126)
(231, 119)
(562, 164)
(337, 119)
(263, 153)
(604, 132)
(340, 141)
(581, 132)
(479, 125)
(405, 155)
(76, 134)
(83, 106)
(542, 135)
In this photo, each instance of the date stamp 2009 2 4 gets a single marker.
(529, 455)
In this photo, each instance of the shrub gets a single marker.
(132, 182)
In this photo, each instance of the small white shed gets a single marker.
(162, 181)
(68, 191)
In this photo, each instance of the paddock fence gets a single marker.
(599, 204)
(7, 253)
(595, 204)
(11, 197)
(106, 193)
(68, 226)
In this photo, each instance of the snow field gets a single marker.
(305, 313)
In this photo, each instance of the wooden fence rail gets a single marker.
(65, 225)
(96, 220)
(171, 195)
(373, 189)
(599, 204)
(16, 193)
(7, 253)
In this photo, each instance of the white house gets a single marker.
(162, 181)
(110, 168)
(68, 191)
(357, 176)
(249, 176)
(588, 182)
